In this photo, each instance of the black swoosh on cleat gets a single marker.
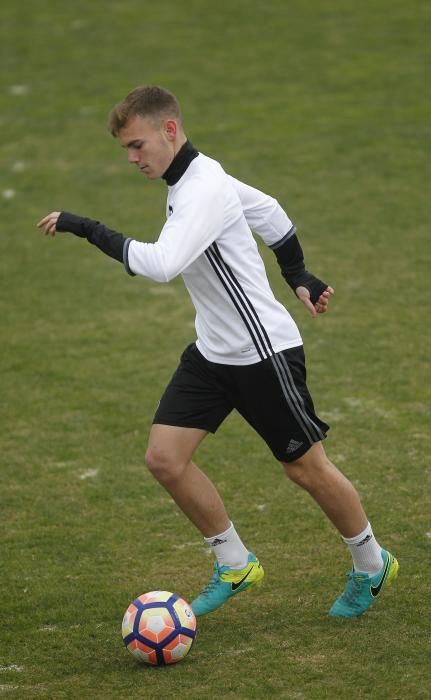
(375, 590)
(237, 585)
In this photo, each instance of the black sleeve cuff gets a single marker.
(291, 260)
(291, 232)
(72, 224)
(126, 257)
(108, 241)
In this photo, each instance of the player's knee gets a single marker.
(161, 465)
(296, 473)
(308, 471)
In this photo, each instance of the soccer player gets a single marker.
(248, 354)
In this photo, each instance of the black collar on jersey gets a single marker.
(180, 163)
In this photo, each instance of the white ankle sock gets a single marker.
(228, 548)
(365, 551)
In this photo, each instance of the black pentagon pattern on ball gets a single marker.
(158, 646)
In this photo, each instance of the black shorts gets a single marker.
(271, 395)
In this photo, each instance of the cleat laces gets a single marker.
(353, 589)
(210, 586)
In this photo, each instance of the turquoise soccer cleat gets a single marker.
(362, 590)
(225, 583)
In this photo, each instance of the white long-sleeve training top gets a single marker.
(207, 239)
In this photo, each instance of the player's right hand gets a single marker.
(49, 223)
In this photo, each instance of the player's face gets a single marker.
(150, 145)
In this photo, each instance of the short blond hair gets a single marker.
(146, 101)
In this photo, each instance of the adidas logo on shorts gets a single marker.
(293, 446)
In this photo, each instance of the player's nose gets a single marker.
(132, 157)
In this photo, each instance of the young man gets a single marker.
(248, 354)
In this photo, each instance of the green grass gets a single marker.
(325, 105)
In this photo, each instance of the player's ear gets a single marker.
(170, 128)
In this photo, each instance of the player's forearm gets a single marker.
(150, 260)
(108, 241)
(291, 260)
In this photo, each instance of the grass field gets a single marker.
(325, 104)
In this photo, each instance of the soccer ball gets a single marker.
(159, 628)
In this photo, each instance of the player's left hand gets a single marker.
(48, 223)
(321, 305)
